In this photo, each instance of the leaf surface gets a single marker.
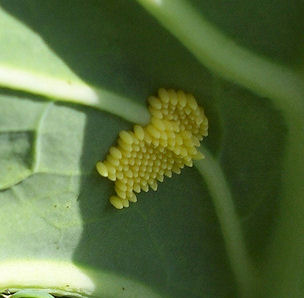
(176, 242)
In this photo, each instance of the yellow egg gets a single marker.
(168, 143)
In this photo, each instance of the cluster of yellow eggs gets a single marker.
(145, 155)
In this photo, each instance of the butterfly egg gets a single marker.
(154, 133)
(126, 167)
(170, 116)
(191, 102)
(164, 166)
(102, 169)
(181, 163)
(179, 140)
(187, 122)
(176, 170)
(182, 125)
(168, 173)
(175, 118)
(144, 185)
(189, 143)
(167, 124)
(189, 163)
(186, 135)
(145, 188)
(113, 161)
(160, 177)
(136, 188)
(124, 161)
(163, 142)
(183, 152)
(196, 141)
(199, 122)
(121, 185)
(192, 151)
(172, 97)
(155, 142)
(153, 174)
(144, 164)
(156, 113)
(139, 132)
(155, 102)
(115, 153)
(163, 95)
(111, 169)
(158, 124)
(147, 139)
(132, 198)
(129, 174)
(135, 139)
(121, 193)
(153, 185)
(198, 156)
(125, 203)
(157, 162)
(182, 100)
(135, 168)
(165, 112)
(199, 113)
(204, 124)
(188, 110)
(154, 156)
(129, 193)
(142, 182)
(173, 126)
(150, 150)
(146, 177)
(126, 137)
(171, 143)
(124, 146)
(119, 175)
(130, 182)
(131, 161)
(116, 202)
(177, 150)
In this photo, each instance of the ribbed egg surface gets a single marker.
(143, 157)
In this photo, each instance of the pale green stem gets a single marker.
(223, 56)
(283, 272)
(214, 177)
(81, 93)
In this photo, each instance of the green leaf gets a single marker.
(74, 73)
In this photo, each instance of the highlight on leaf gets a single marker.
(144, 156)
